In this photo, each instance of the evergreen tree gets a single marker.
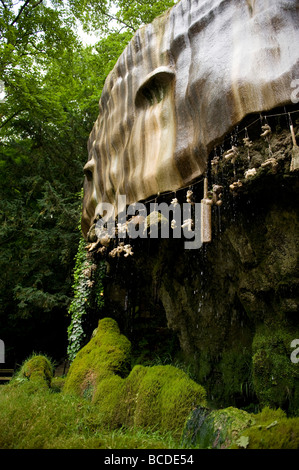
(52, 84)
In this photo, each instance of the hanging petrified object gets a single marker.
(231, 154)
(217, 194)
(235, 185)
(128, 251)
(295, 151)
(266, 130)
(266, 133)
(206, 215)
(117, 250)
(215, 164)
(174, 203)
(189, 196)
(154, 222)
(250, 172)
(248, 143)
(173, 224)
(270, 162)
(102, 250)
(188, 224)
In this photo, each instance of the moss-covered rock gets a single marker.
(37, 369)
(236, 429)
(275, 377)
(116, 398)
(215, 429)
(159, 397)
(106, 354)
(165, 397)
(271, 430)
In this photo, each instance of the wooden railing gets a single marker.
(6, 375)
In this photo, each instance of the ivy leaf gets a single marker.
(243, 442)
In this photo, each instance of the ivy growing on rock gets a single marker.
(88, 294)
(77, 308)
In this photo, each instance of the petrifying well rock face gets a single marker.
(182, 83)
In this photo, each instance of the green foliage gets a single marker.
(82, 289)
(133, 13)
(53, 85)
(109, 15)
(35, 414)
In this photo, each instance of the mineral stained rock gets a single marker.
(182, 83)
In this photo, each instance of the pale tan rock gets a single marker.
(182, 83)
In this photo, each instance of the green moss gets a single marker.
(178, 399)
(57, 384)
(272, 430)
(115, 398)
(148, 399)
(47, 420)
(158, 397)
(107, 353)
(275, 377)
(217, 429)
(108, 401)
(37, 369)
(236, 371)
(131, 393)
(165, 398)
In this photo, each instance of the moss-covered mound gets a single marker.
(159, 397)
(38, 368)
(106, 354)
